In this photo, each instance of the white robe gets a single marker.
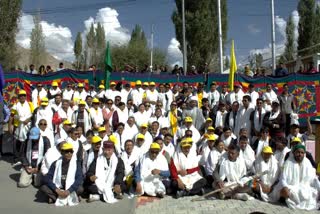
(130, 132)
(97, 116)
(141, 118)
(49, 134)
(51, 156)
(152, 184)
(129, 161)
(183, 162)
(23, 113)
(36, 96)
(67, 95)
(214, 158)
(271, 177)
(302, 182)
(280, 156)
(46, 114)
(261, 143)
(248, 156)
(243, 119)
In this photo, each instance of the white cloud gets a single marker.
(253, 29)
(108, 18)
(281, 25)
(58, 39)
(173, 53)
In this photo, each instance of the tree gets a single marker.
(90, 46)
(290, 48)
(37, 45)
(306, 9)
(78, 50)
(138, 37)
(226, 62)
(316, 33)
(9, 13)
(201, 29)
(100, 46)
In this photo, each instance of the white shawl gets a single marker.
(232, 171)
(129, 160)
(248, 156)
(49, 134)
(274, 115)
(256, 122)
(97, 116)
(220, 119)
(183, 162)
(86, 119)
(105, 177)
(261, 144)
(280, 155)
(72, 199)
(213, 159)
(39, 155)
(51, 156)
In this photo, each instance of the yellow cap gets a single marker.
(296, 139)
(267, 150)
(43, 103)
(146, 84)
(101, 87)
(188, 140)
(44, 99)
(184, 143)
(101, 129)
(54, 83)
(138, 82)
(113, 139)
(22, 92)
(145, 125)
(154, 146)
(209, 119)
(112, 83)
(66, 122)
(95, 100)
(96, 139)
(210, 128)
(188, 120)
(152, 83)
(211, 137)
(82, 102)
(140, 136)
(67, 146)
(80, 85)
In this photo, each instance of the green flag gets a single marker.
(108, 68)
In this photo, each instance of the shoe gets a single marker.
(221, 195)
(243, 197)
(202, 191)
(160, 195)
(181, 193)
(93, 197)
(119, 196)
(50, 201)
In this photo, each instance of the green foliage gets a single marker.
(78, 50)
(9, 13)
(201, 29)
(290, 48)
(316, 33)
(37, 45)
(100, 46)
(90, 46)
(306, 9)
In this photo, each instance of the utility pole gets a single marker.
(220, 37)
(273, 38)
(184, 39)
(151, 52)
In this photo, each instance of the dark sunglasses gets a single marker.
(68, 151)
(109, 103)
(154, 152)
(42, 124)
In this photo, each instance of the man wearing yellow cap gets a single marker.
(92, 153)
(44, 111)
(151, 172)
(299, 184)
(112, 92)
(64, 179)
(265, 162)
(151, 95)
(63, 132)
(81, 92)
(188, 126)
(147, 137)
(185, 172)
(136, 94)
(105, 176)
(54, 90)
(37, 94)
(23, 113)
(101, 91)
(82, 117)
(205, 149)
(96, 113)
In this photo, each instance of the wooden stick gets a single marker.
(227, 187)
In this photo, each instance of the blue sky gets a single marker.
(249, 20)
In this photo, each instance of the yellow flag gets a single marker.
(233, 67)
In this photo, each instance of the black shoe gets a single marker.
(160, 195)
(181, 193)
(119, 196)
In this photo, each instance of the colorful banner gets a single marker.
(304, 87)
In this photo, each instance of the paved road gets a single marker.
(15, 200)
(169, 205)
